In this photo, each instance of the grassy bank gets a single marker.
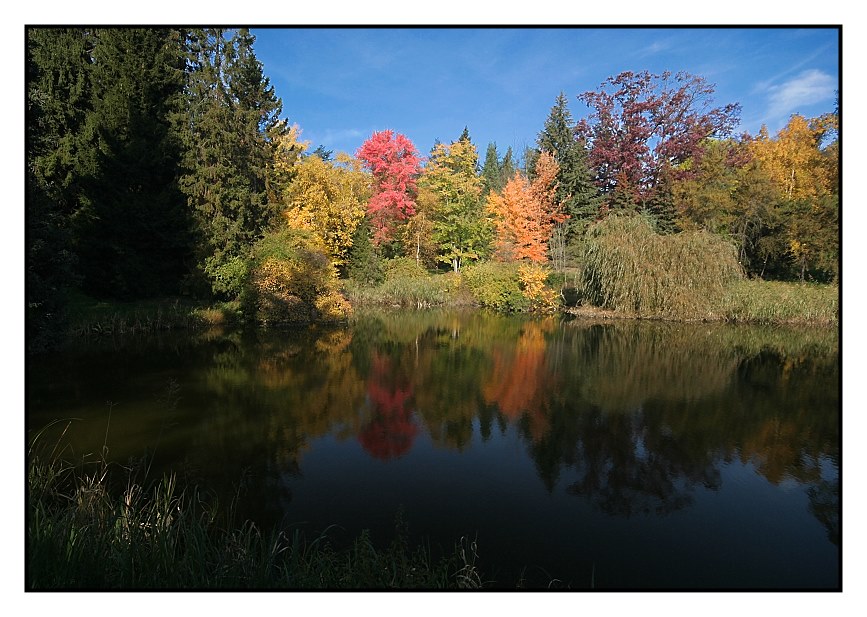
(630, 270)
(87, 316)
(772, 302)
(95, 527)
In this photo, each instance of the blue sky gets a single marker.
(340, 85)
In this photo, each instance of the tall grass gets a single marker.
(630, 268)
(408, 285)
(89, 318)
(774, 302)
(94, 526)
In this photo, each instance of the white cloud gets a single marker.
(331, 137)
(808, 88)
(655, 48)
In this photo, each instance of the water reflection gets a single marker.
(629, 419)
(390, 431)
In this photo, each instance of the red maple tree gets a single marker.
(643, 126)
(394, 163)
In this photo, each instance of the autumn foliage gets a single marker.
(525, 213)
(643, 126)
(393, 162)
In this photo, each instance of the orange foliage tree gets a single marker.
(525, 213)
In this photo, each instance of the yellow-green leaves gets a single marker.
(327, 198)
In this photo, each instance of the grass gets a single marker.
(409, 289)
(772, 302)
(88, 317)
(94, 526)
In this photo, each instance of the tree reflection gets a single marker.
(519, 382)
(390, 431)
(626, 466)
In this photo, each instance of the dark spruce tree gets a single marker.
(132, 232)
(58, 97)
(507, 166)
(232, 116)
(575, 189)
(491, 180)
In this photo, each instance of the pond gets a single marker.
(613, 455)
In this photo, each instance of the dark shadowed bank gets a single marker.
(99, 526)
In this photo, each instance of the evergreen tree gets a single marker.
(324, 153)
(58, 97)
(575, 187)
(231, 120)
(507, 167)
(132, 233)
(491, 180)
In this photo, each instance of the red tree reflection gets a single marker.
(391, 431)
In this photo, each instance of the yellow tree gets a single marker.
(287, 149)
(806, 174)
(793, 160)
(328, 199)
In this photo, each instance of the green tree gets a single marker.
(232, 119)
(58, 98)
(133, 232)
(461, 229)
(727, 193)
(576, 191)
(491, 179)
(507, 167)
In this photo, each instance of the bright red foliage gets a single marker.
(644, 126)
(394, 162)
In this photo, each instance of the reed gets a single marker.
(94, 526)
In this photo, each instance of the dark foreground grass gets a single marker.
(94, 527)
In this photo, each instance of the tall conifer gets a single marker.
(232, 119)
(575, 188)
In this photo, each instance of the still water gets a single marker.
(616, 455)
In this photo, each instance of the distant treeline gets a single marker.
(159, 164)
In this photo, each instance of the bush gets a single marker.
(496, 285)
(630, 268)
(403, 268)
(292, 281)
(534, 284)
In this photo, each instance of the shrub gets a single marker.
(534, 285)
(292, 281)
(630, 268)
(403, 268)
(496, 285)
